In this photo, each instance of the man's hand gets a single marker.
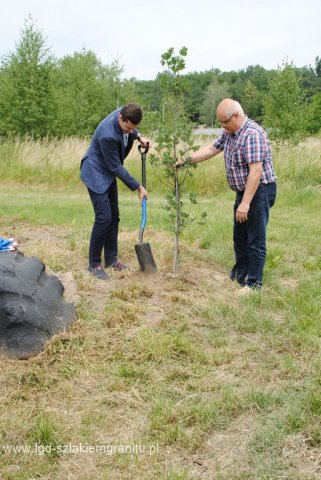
(252, 184)
(242, 212)
(179, 163)
(142, 192)
(144, 141)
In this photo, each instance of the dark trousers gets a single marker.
(104, 234)
(250, 237)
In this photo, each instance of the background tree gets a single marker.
(87, 91)
(285, 109)
(317, 68)
(150, 92)
(173, 141)
(310, 82)
(252, 101)
(314, 114)
(80, 94)
(43, 96)
(196, 84)
(27, 103)
(214, 93)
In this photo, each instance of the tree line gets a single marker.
(42, 96)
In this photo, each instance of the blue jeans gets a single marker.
(250, 237)
(104, 234)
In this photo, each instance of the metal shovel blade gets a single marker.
(145, 258)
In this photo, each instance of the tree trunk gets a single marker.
(177, 225)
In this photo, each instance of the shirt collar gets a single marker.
(242, 126)
(117, 126)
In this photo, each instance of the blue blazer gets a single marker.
(104, 159)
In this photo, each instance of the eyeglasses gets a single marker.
(223, 124)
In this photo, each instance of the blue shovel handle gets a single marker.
(144, 215)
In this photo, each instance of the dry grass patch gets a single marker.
(176, 364)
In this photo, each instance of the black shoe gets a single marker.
(237, 278)
(98, 272)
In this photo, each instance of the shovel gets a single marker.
(143, 251)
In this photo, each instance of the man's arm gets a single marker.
(112, 160)
(253, 180)
(254, 154)
(204, 153)
(109, 148)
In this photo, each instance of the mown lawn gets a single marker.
(169, 377)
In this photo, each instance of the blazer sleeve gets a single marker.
(109, 149)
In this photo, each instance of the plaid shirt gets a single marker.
(248, 144)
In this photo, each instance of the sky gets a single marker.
(225, 34)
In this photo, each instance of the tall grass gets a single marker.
(52, 162)
(56, 162)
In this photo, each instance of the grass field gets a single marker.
(170, 377)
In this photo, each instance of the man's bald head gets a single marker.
(228, 107)
(230, 114)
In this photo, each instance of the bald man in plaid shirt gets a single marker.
(250, 173)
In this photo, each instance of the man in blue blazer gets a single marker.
(100, 168)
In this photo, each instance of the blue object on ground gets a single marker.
(5, 244)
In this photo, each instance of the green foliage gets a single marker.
(196, 84)
(173, 141)
(284, 106)
(252, 100)
(41, 97)
(314, 114)
(214, 93)
(318, 66)
(150, 92)
(248, 87)
(26, 91)
(86, 91)
(79, 94)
